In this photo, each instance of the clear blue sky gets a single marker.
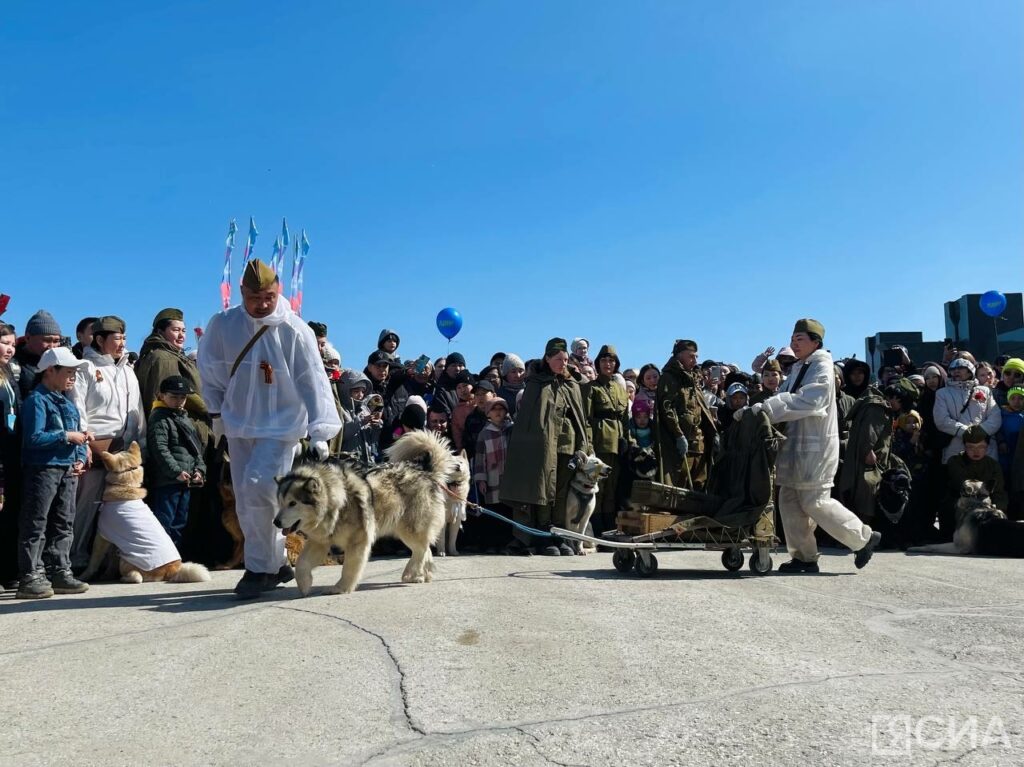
(632, 172)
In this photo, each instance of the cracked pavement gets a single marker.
(916, 660)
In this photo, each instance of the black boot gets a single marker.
(253, 584)
(864, 555)
(798, 566)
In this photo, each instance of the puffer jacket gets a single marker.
(172, 447)
(809, 456)
(960, 405)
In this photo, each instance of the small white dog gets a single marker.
(455, 508)
(588, 471)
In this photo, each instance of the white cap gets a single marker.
(735, 388)
(60, 356)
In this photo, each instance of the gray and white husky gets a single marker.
(345, 505)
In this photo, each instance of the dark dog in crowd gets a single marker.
(981, 528)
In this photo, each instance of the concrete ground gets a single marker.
(916, 660)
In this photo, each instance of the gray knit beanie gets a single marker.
(42, 323)
(510, 363)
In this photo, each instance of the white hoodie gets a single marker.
(108, 398)
(280, 390)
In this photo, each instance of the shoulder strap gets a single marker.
(245, 349)
(800, 377)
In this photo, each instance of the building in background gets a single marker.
(983, 336)
(967, 327)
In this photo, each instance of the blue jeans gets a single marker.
(170, 507)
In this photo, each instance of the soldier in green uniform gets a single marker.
(685, 428)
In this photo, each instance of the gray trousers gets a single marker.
(47, 519)
(90, 493)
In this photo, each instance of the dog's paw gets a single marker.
(442, 554)
(337, 588)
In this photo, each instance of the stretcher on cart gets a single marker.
(736, 513)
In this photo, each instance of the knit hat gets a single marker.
(916, 379)
(108, 324)
(608, 351)
(554, 346)
(483, 385)
(771, 366)
(960, 362)
(511, 362)
(414, 417)
(331, 354)
(1014, 364)
(171, 314)
(975, 434)
(418, 401)
(1015, 391)
(258, 276)
(642, 406)
(455, 358)
(809, 327)
(576, 344)
(176, 385)
(463, 377)
(931, 370)
(319, 329)
(496, 402)
(42, 323)
(682, 344)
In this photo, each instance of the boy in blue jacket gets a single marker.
(54, 455)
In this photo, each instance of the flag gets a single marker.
(285, 239)
(302, 248)
(225, 282)
(250, 242)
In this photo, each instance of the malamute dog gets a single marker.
(341, 504)
(981, 528)
(588, 471)
(455, 506)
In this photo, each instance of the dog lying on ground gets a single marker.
(345, 505)
(588, 471)
(128, 531)
(455, 506)
(981, 528)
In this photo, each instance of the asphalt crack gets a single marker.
(402, 689)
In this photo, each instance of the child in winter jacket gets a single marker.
(53, 458)
(640, 431)
(1009, 432)
(492, 447)
(361, 427)
(175, 456)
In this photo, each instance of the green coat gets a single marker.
(988, 470)
(550, 422)
(681, 411)
(172, 446)
(606, 406)
(870, 428)
(159, 360)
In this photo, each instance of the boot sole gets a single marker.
(23, 595)
(70, 591)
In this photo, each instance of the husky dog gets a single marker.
(343, 505)
(981, 528)
(455, 506)
(588, 471)
(128, 531)
(644, 462)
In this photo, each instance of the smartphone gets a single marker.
(421, 363)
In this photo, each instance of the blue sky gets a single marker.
(631, 172)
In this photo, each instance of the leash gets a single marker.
(478, 510)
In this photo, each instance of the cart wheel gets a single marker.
(623, 559)
(732, 560)
(648, 568)
(760, 563)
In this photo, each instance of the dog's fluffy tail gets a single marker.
(430, 450)
(190, 572)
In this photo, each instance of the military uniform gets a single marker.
(683, 412)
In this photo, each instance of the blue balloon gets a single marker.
(992, 303)
(449, 322)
